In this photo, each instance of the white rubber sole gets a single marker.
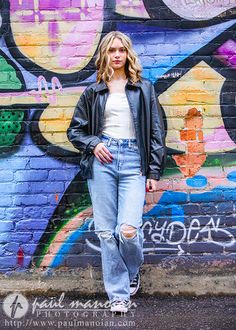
(119, 309)
(133, 291)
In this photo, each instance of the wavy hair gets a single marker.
(105, 72)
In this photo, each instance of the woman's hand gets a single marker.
(102, 153)
(151, 185)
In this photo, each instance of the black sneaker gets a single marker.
(134, 285)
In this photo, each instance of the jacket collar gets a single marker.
(103, 86)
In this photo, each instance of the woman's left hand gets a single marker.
(151, 185)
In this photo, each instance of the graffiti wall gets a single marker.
(47, 51)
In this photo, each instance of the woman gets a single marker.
(118, 126)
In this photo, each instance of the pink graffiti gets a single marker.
(72, 29)
(42, 84)
(227, 53)
(131, 8)
(218, 137)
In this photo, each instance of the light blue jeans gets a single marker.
(117, 192)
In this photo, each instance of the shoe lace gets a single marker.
(134, 280)
(119, 302)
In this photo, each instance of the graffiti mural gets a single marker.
(47, 54)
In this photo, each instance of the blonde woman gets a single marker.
(118, 126)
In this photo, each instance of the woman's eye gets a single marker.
(121, 50)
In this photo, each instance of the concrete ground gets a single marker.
(148, 312)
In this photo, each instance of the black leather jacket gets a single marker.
(87, 124)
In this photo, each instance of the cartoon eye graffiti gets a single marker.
(181, 13)
(189, 9)
(48, 37)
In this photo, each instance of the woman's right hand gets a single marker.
(102, 153)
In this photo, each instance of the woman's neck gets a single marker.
(119, 75)
(118, 82)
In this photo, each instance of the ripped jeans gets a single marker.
(117, 192)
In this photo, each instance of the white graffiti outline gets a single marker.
(165, 233)
(210, 227)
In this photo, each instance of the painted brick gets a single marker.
(12, 247)
(229, 220)
(29, 248)
(59, 175)
(16, 164)
(210, 196)
(47, 212)
(30, 200)
(6, 226)
(32, 175)
(86, 260)
(21, 237)
(7, 188)
(206, 247)
(2, 250)
(162, 49)
(46, 187)
(6, 176)
(229, 195)
(191, 209)
(13, 213)
(30, 150)
(6, 200)
(9, 261)
(36, 235)
(33, 212)
(2, 213)
(209, 208)
(44, 163)
(53, 198)
(225, 208)
(29, 225)
(48, 4)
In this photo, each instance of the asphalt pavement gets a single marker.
(146, 312)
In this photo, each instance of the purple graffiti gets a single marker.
(227, 53)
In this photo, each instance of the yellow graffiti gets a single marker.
(199, 88)
(55, 119)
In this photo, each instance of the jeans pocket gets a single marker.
(106, 143)
(135, 148)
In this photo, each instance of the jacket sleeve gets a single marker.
(157, 148)
(78, 131)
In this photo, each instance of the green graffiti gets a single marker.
(10, 126)
(10, 120)
(8, 78)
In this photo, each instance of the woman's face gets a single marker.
(117, 54)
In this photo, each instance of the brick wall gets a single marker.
(47, 51)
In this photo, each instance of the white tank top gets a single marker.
(118, 121)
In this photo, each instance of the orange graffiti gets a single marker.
(190, 162)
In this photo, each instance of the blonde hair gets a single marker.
(105, 72)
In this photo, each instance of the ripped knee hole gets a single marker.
(128, 231)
